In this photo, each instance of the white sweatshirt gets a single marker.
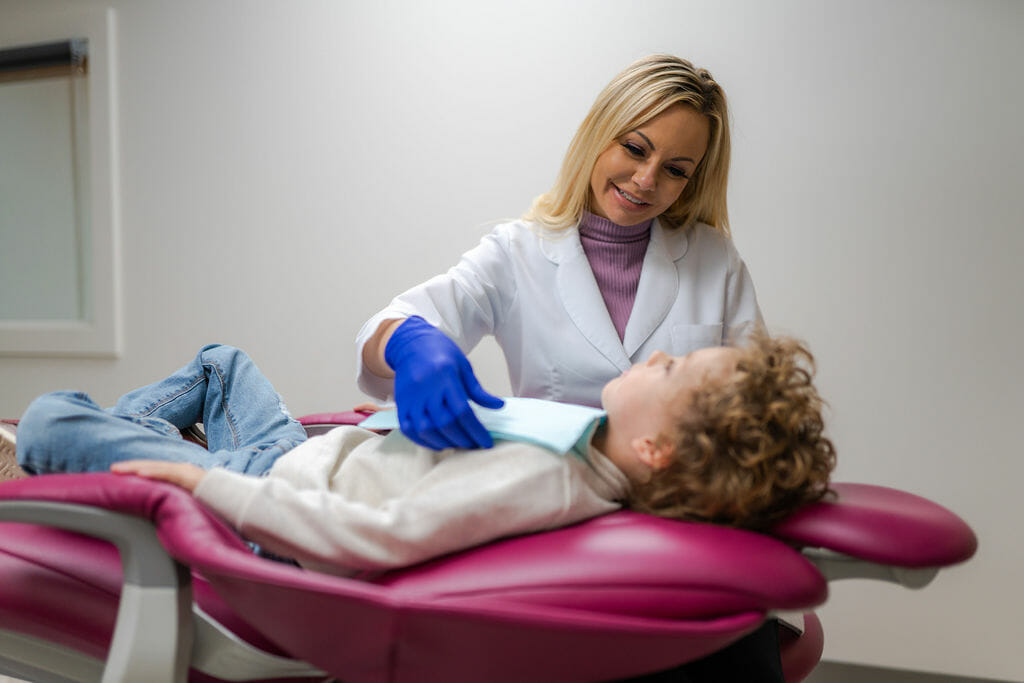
(352, 500)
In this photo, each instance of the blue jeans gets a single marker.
(247, 425)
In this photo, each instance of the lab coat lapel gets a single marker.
(582, 299)
(658, 288)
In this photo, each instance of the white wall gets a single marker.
(288, 166)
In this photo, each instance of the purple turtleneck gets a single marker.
(616, 255)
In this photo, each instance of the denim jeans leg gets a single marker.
(67, 431)
(247, 424)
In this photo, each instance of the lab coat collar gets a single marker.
(561, 246)
(578, 290)
(658, 288)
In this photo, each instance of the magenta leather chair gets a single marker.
(112, 578)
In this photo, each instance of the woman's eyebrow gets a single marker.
(646, 139)
(654, 149)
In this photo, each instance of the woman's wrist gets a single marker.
(373, 349)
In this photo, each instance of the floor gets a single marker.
(833, 672)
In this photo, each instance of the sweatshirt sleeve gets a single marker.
(463, 501)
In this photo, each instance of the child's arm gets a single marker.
(178, 473)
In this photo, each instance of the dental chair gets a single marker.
(117, 578)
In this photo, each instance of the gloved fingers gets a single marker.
(484, 398)
(446, 420)
(473, 388)
(474, 435)
(456, 436)
(449, 410)
(434, 425)
(433, 439)
(464, 431)
(419, 430)
(475, 432)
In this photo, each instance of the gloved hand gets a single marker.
(433, 384)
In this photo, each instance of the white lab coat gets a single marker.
(537, 295)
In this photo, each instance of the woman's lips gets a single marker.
(628, 199)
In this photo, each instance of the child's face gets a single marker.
(650, 397)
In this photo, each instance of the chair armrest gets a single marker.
(318, 423)
(159, 633)
(153, 635)
(347, 417)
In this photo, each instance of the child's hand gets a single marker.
(178, 473)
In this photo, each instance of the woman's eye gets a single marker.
(677, 172)
(633, 149)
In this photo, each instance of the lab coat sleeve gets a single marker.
(463, 503)
(742, 312)
(466, 303)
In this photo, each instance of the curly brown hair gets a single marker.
(751, 448)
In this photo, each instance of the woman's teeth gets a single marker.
(628, 197)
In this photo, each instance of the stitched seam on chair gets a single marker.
(60, 572)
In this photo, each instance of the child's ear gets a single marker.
(650, 452)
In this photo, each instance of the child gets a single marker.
(723, 434)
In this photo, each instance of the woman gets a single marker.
(627, 254)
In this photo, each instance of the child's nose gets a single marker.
(656, 357)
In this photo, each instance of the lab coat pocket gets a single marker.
(687, 338)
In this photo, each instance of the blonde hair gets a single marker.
(751, 448)
(643, 90)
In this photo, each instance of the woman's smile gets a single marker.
(630, 199)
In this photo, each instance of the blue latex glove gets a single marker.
(433, 385)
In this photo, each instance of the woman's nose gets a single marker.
(643, 177)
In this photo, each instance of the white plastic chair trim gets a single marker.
(220, 653)
(835, 566)
(34, 659)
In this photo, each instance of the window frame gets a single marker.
(99, 331)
